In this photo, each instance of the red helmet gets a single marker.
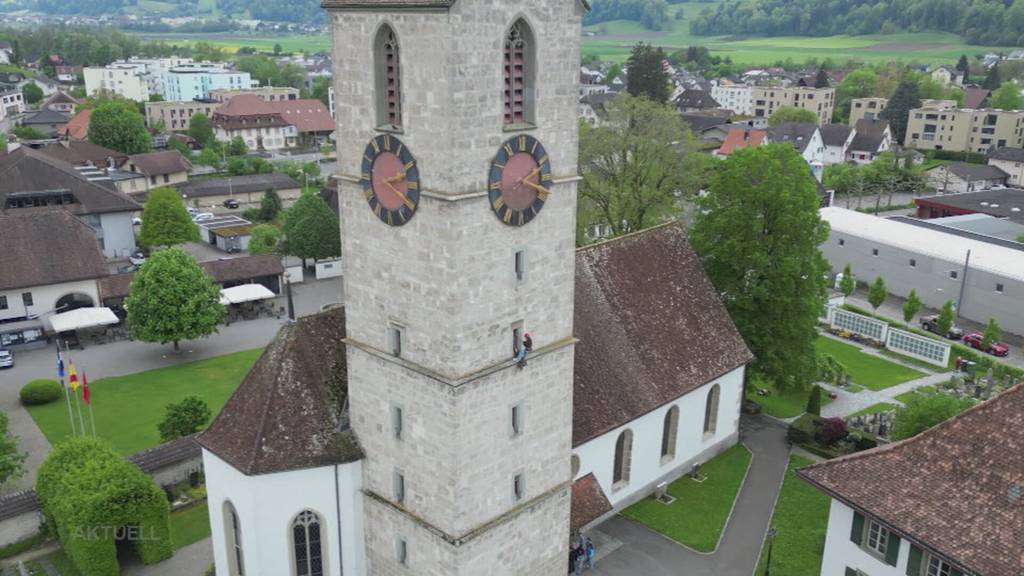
(526, 335)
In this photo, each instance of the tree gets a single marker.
(277, 48)
(993, 333)
(614, 71)
(758, 230)
(857, 84)
(1007, 97)
(962, 65)
(647, 76)
(237, 147)
(117, 125)
(877, 293)
(200, 130)
(28, 133)
(171, 299)
(821, 80)
(321, 89)
(174, 143)
(992, 80)
(848, 284)
(792, 114)
(814, 401)
(265, 239)
(635, 164)
(945, 320)
(32, 93)
(911, 306)
(904, 99)
(12, 461)
(922, 411)
(270, 205)
(165, 221)
(183, 418)
(311, 229)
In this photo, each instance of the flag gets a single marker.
(85, 389)
(60, 366)
(72, 377)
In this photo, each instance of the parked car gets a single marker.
(6, 359)
(231, 203)
(975, 340)
(191, 211)
(136, 221)
(202, 216)
(138, 258)
(931, 324)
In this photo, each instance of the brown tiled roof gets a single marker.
(650, 327)
(947, 489)
(245, 105)
(282, 416)
(166, 454)
(159, 163)
(80, 152)
(27, 170)
(588, 502)
(869, 136)
(43, 247)
(78, 127)
(741, 138)
(237, 269)
(974, 97)
(308, 115)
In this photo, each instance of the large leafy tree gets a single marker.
(636, 166)
(792, 114)
(922, 411)
(265, 239)
(993, 333)
(646, 76)
(857, 84)
(172, 299)
(946, 318)
(758, 231)
(1007, 97)
(270, 205)
(199, 128)
(183, 418)
(32, 93)
(904, 99)
(165, 221)
(993, 80)
(311, 229)
(118, 125)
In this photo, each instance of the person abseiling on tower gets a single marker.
(525, 348)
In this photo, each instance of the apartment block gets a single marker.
(866, 109)
(125, 79)
(176, 115)
(942, 126)
(195, 81)
(768, 99)
(265, 93)
(735, 97)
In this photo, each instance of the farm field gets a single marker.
(263, 42)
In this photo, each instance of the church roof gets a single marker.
(282, 416)
(651, 328)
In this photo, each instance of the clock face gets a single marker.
(391, 180)
(520, 180)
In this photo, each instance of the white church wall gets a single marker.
(266, 505)
(646, 467)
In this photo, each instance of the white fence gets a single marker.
(328, 269)
(859, 324)
(920, 347)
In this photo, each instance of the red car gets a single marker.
(975, 339)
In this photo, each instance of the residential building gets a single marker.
(67, 74)
(695, 101)
(124, 79)
(741, 137)
(871, 138)
(1011, 161)
(13, 103)
(734, 96)
(1003, 203)
(49, 122)
(932, 262)
(177, 115)
(313, 123)
(194, 81)
(266, 93)
(837, 139)
(165, 168)
(31, 180)
(60, 102)
(806, 139)
(956, 177)
(591, 82)
(942, 127)
(6, 51)
(246, 189)
(77, 127)
(975, 97)
(768, 99)
(593, 108)
(944, 502)
(866, 109)
(947, 75)
(50, 264)
(273, 125)
(82, 153)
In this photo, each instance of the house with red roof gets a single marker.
(78, 127)
(741, 138)
(274, 125)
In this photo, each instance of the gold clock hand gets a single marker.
(537, 187)
(396, 178)
(405, 199)
(530, 175)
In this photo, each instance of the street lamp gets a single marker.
(771, 541)
(288, 290)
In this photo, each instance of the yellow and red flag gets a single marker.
(73, 377)
(85, 389)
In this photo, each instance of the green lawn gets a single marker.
(906, 396)
(801, 519)
(230, 42)
(875, 409)
(697, 517)
(190, 525)
(785, 405)
(867, 370)
(63, 564)
(127, 409)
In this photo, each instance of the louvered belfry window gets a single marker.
(516, 74)
(389, 79)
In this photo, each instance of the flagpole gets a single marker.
(92, 420)
(67, 396)
(73, 377)
(81, 422)
(87, 398)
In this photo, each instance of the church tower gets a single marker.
(457, 155)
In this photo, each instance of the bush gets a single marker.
(803, 429)
(971, 157)
(814, 401)
(832, 430)
(184, 418)
(253, 214)
(41, 391)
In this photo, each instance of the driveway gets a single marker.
(641, 551)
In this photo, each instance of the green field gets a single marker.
(801, 519)
(698, 516)
(190, 525)
(788, 404)
(262, 42)
(127, 409)
(867, 370)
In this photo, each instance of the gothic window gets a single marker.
(306, 543)
(711, 411)
(233, 533)
(388, 79)
(668, 434)
(519, 74)
(623, 457)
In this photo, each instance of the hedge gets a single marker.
(970, 157)
(40, 392)
(88, 492)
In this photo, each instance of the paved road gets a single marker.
(648, 553)
(192, 560)
(128, 357)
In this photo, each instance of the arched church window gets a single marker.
(623, 458)
(711, 411)
(306, 543)
(233, 533)
(388, 79)
(668, 434)
(519, 74)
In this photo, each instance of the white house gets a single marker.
(871, 138)
(6, 51)
(806, 139)
(837, 139)
(962, 517)
(124, 79)
(947, 75)
(735, 97)
(959, 177)
(1010, 161)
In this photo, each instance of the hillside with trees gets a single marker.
(977, 21)
(306, 11)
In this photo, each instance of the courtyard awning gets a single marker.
(245, 293)
(82, 318)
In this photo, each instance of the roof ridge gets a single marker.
(630, 235)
